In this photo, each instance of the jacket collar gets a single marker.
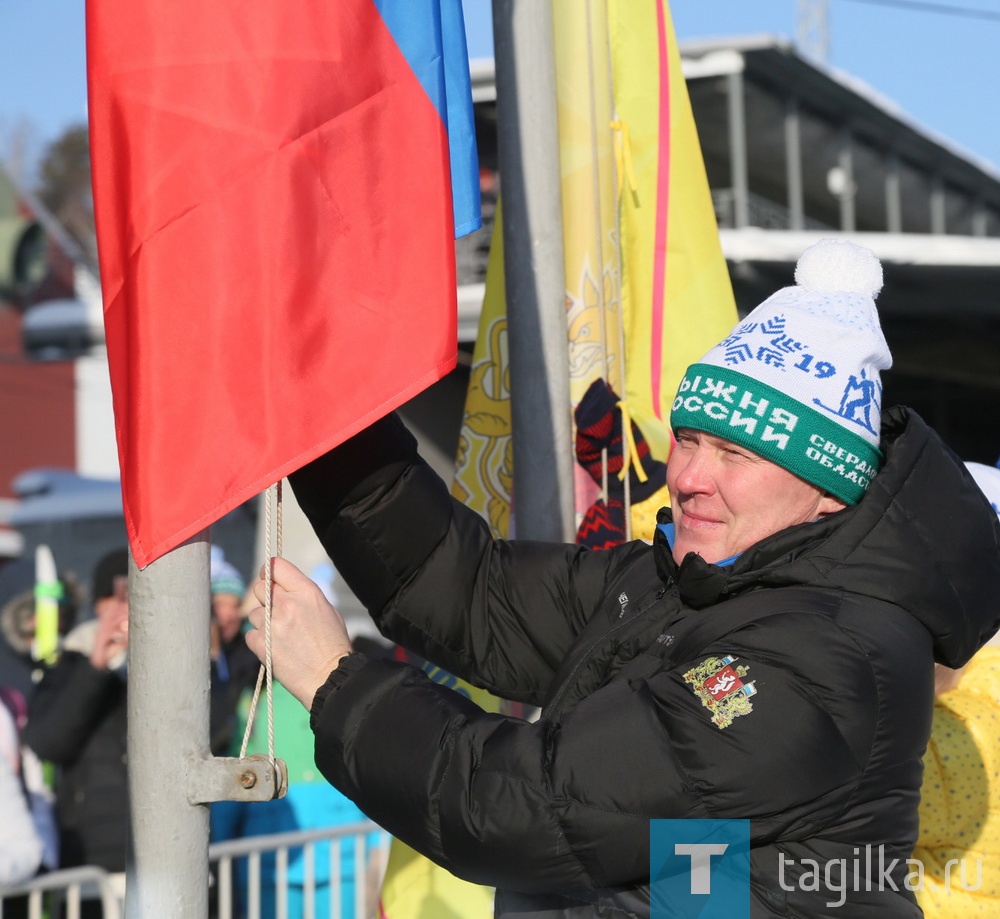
(700, 584)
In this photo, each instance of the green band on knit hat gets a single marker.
(773, 425)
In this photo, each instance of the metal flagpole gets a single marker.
(172, 775)
(534, 269)
(168, 683)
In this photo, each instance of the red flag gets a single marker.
(275, 228)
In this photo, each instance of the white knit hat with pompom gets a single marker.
(799, 380)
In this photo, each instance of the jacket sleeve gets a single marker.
(499, 614)
(67, 705)
(565, 808)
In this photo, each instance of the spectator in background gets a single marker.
(228, 588)
(234, 665)
(18, 669)
(31, 774)
(959, 843)
(77, 720)
(20, 843)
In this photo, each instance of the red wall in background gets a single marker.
(37, 408)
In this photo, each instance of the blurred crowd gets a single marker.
(63, 736)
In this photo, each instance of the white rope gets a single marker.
(266, 673)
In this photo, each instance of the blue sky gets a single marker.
(942, 70)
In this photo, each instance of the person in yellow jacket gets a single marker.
(957, 859)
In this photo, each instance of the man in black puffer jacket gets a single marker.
(769, 657)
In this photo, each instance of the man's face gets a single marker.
(726, 498)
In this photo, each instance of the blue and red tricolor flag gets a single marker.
(277, 189)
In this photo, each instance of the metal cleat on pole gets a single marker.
(253, 778)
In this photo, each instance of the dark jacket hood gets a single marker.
(924, 538)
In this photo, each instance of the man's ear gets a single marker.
(828, 504)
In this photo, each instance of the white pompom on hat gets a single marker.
(799, 380)
(836, 264)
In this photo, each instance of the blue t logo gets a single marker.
(701, 865)
(699, 869)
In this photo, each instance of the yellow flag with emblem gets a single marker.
(648, 288)
(677, 297)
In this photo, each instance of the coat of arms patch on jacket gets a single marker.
(719, 683)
